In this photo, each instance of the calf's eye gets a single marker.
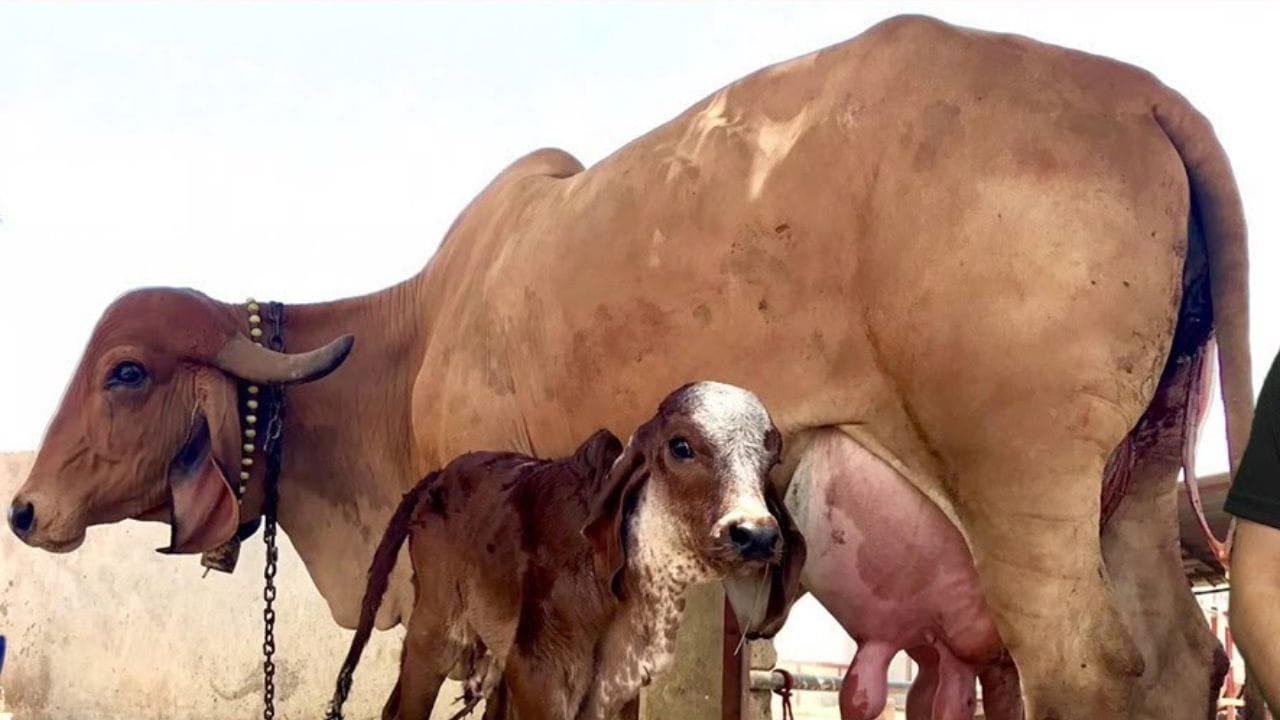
(680, 448)
(127, 374)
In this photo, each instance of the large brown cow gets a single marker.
(962, 250)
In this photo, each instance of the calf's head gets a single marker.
(149, 426)
(690, 500)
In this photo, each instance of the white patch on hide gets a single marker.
(659, 548)
(774, 141)
(665, 567)
(714, 117)
(655, 249)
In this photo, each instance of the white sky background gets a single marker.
(309, 152)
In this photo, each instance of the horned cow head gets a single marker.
(149, 426)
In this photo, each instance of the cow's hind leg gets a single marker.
(1184, 660)
(1032, 522)
(1001, 693)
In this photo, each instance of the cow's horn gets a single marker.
(254, 363)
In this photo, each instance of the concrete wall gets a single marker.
(691, 688)
(114, 630)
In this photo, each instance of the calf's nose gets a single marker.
(22, 518)
(754, 540)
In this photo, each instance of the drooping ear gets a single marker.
(784, 579)
(607, 524)
(242, 358)
(203, 512)
(597, 455)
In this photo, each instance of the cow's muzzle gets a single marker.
(755, 540)
(22, 518)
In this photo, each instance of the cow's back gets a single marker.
(800, 231)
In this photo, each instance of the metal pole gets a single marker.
(773, 680)
(734, 668)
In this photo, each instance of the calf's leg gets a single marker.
(539, 690)
(428, 656)
(496, 703)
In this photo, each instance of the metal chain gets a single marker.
(788, 684)
(271, 498)
(269, 624)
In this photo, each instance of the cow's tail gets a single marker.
(1215, 200)
(384, 561)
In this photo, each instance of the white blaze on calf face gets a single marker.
(670, 543)
(676, 545)
(736, 425)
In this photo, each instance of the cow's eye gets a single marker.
(127, 374)
(680, 448)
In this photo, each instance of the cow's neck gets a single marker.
(347, 441)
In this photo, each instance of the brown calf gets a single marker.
(570, 574)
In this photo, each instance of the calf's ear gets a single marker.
(606, 526)
(596, 456)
